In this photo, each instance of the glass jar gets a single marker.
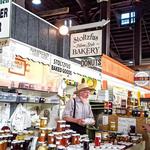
(1, 132)
(58, 140)
(86, 144)
(65, 140)
(51, 147)
(112, 126)
(1, 145)
(22, 145)
(43, 122)
(42, 147)
(42, 137)
(61, 125)
(67, 127)
(15, 145)
(14, 133)
(51, 139)
(78, 139)
(60, 147)
(73, 139)
(105, 136)
(7, 131)
(26, 143)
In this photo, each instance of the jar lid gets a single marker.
(61, 121)
(42, 134)
(51, 145)
(43, 128)
(51, 134)
(67, 125)
(59, 137)
(60, 147)
(44, 118)
(7, 130)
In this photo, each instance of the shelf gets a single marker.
(6, 89)
(97, 108)
(25, 102)
(93, 101)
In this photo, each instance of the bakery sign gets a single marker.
(60, 65)
(86, 44)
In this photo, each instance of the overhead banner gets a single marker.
(5, 9)
(86, 44)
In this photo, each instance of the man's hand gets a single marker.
(80, 122)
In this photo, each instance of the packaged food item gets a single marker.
(43, 122)
(51, 138)
(51, 147)
(61, 125)
(86, 144)
(112, 126)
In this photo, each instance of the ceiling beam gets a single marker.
(84, 7)
(141, 67)
(53, 12)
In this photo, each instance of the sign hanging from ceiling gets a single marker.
(86, 44)
(5, 6)
(142, 78)
(89, 62)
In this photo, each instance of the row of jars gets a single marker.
(8, 141)
(63, 138)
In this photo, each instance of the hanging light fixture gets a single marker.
(63, 30)
(36, 2)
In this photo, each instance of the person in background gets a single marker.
(146, 136)
(78, 111)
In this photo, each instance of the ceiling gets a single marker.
(87, 11)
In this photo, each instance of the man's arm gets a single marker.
(74, 120)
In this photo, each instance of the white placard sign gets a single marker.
(105, 120)
(5, 6)
(86, 44)
(125, 123)
(60, 65)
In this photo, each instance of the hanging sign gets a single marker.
(86, 44)
(89, 62)
(142, 78)
(60, 65)
(5, 6)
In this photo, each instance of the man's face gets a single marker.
(84, 94)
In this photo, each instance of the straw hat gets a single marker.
(82, 87)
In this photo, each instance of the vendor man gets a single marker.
(78, 111)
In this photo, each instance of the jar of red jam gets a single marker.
(65, 140)
(61, 125)
(51, 138)
(42, 137)
(67, 127)
(74, 139)
(51, 147)
(78, 139)
(58, 140)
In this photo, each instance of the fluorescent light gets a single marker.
(130, 62)
(36, 2)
